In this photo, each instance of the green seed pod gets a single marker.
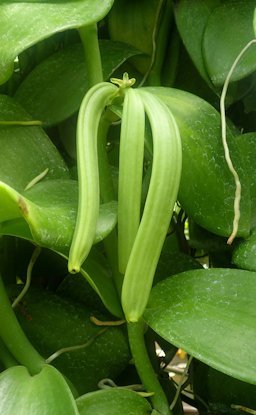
(130, 174)
(161, 197)
(89, 117)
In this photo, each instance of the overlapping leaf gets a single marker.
(46, 393)
(53, 91)
(228, 29)
(26, 151)
(207, 187)
(46, 212)
(113, 401)
(211, 314)
(186, 14)
(45, 18)
(49, 208)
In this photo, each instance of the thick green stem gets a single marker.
(144, 368)
(89, 37)
(6, 357)
(14, 338)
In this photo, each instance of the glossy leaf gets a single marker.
(46, 215)
(26, 151)
(228, 29)
(103, 285)
(210, 314)
(46, 393)
(207, 187)
(45, 19)
(244, 255)
(188, 12)
(49, 208)
(219, 391)
(52, 322)
(113, 401)
(134, 23)
(53, 91)
(246, 146)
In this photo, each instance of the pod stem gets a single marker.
(89, 37)
(6, 357)
(14, 337)
(144, 368)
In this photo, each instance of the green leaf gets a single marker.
(46, 214)
(45, 19)
(229, 28)
(219, 391)
(53, 91)
(113, 401)
(135, 23)
(53, 322)
(49, 208)
(46, 393)
(97, 277)
(244, 255)
(188, 12)
(204, 169)
(211, 314)
(246, 147)
(26, 151)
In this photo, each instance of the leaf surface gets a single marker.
(113, 402)
(45, 18)
(207, 187)
(26, 151)
(54, 90)
(211, 314)
(186, 14)
(228, 29)
(46, 393)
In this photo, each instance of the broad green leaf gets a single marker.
(53, 91)
(26, 151)
(207, 187)
(246, 146)
(244, 255)
(134, 23)
(52, 322)
(219, 391)
(46, 215)
(49, 208)
(46, 393)
(113, 401)
(188, 12)
(45, 18)
(228, 29)
(211, 314)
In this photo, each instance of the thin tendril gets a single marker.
(74, 348)
(31, 264)
(225, 145)
(138, 388)
(98, 322)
